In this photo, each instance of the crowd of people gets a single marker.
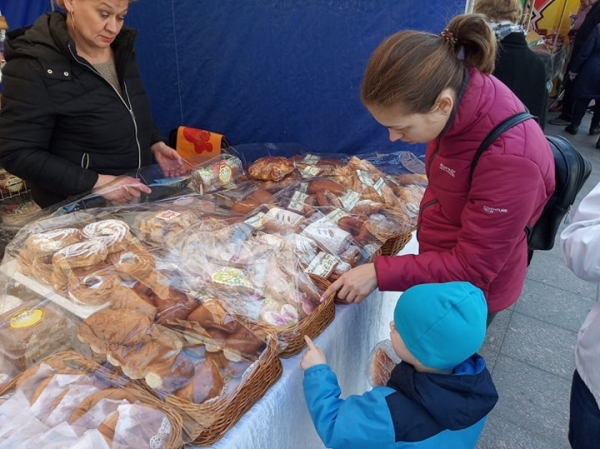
(75, 119)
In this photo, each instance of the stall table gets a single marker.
(280, 419)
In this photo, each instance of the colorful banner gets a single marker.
(552, 15)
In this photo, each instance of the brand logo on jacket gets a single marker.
(448, 170)
(493, 210)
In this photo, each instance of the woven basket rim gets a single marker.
(176, 439)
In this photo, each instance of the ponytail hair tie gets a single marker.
(448, 36)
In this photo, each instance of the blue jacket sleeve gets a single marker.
(353, 422)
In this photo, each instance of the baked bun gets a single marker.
(82, 254)
(211, 314)
(281, 220)
(382, 361)
(164, 227)
(244, 344)
(47, 243)
(207, 383)
(171, 374)
(227, 367)
(113, 394)
(270, 168)
(132, 264)
(252, 201)
(108, 326)
(93, 288)
(113, 233)
(125, 299)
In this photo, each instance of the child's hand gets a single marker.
(313, 355)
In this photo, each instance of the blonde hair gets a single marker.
(61, 3)
(499, 10)
(411, 68)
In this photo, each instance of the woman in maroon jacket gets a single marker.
(438, 89)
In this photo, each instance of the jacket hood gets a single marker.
(48, 36)
(455, 401)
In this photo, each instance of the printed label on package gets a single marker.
(322, 265)
(311, 159)
(256, 220)
(310, 171)
(298, 201)
(378, 186)
(350, 198)
(364, 177)
(168, 215)
(336, 214)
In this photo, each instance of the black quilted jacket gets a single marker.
(61, 123)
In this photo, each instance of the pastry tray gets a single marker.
(81, 310)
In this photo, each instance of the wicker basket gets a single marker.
(392, 246)
(75, 360)
(209, 421)
(291, 340)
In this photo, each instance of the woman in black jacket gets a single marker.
(517, 65)
(74, 112)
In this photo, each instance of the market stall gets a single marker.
(182, 306)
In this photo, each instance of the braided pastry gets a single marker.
(113, 233)
(132, 265)
(82, 254)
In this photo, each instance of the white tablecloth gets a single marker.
(280, 420)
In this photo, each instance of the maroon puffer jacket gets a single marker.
(475, 231)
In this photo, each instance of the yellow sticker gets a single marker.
(225, 173)
(26, 318)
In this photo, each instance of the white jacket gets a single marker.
(580, 244)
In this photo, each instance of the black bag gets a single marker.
(572, 170)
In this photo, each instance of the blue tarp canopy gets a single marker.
(266, 70)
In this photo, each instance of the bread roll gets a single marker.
(171, 374)
(280, 220)
(211, 314)
(108, 326)
(270, 168)
(207, 383)
(252, 201)
(125, 299)
(114, 394)
(228, 368)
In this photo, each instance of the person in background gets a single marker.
(439, 395)
(580, 245)
(74, 112)
(517, 65)
(432, 88)
(592, 18)
(585, 76)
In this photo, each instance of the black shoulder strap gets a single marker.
(501, 127)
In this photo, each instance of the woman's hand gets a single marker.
(354, 285)
(119, 188)
(313, 355)
(169, 160)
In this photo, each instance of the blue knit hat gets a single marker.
(442, 325)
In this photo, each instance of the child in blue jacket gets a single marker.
(439, 396)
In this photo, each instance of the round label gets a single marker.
(26, 318)
(225, 173)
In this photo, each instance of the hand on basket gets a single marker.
(313, 355)
(354, 285)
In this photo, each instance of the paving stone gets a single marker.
(543, 345)
(535, 401)
(553, 305)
